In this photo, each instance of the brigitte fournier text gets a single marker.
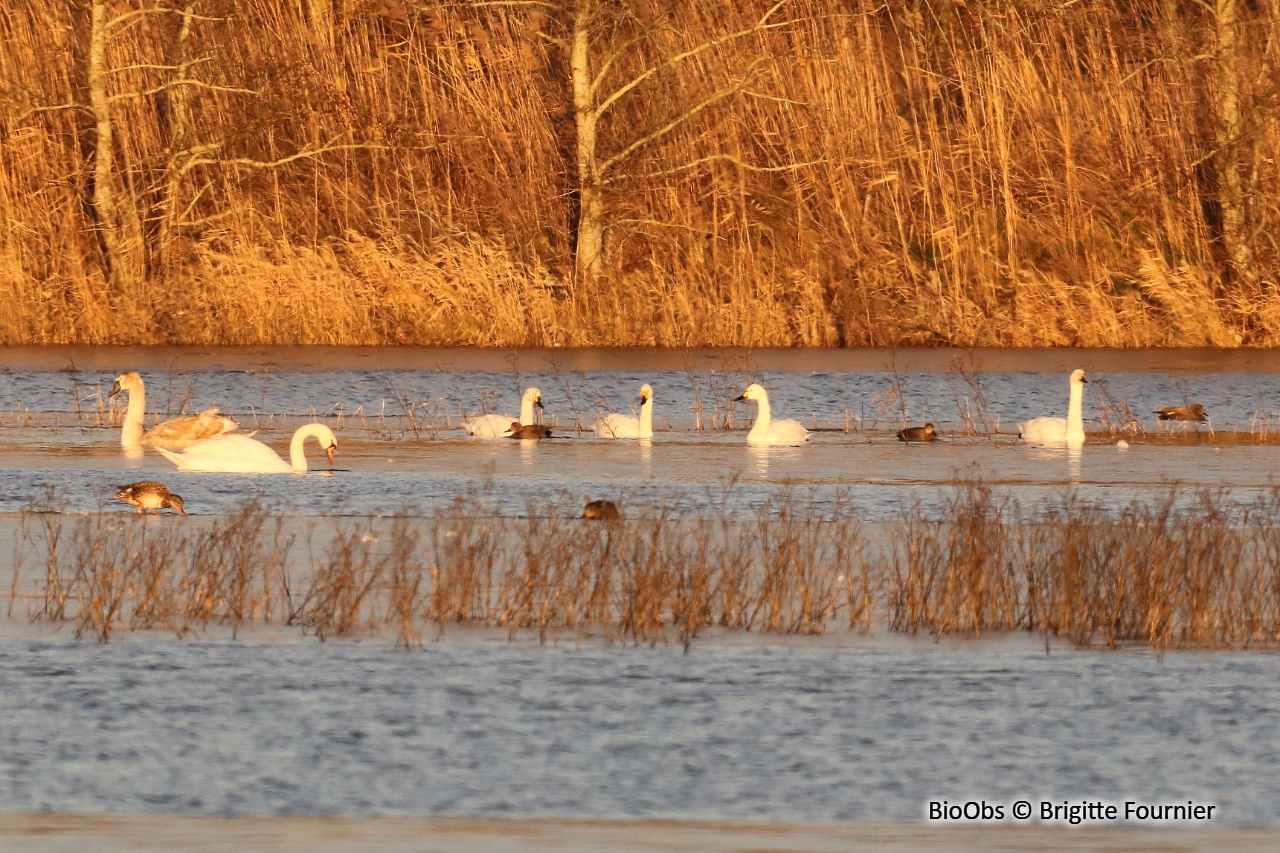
(1073, 813)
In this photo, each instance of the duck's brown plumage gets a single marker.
(528, 431)
(150, 495)
(924, 433)
(1194, 412)
(602, 511)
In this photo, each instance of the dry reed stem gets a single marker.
(1193, 568)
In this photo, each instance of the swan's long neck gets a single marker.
(764, 418)
(298, 458)
(1075, 415)
(526, 410)
(131, 432)
(646, 418)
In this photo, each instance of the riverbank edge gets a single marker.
(301, 359)
(50, 832)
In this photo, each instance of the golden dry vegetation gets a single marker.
(1189, 569)
(963, 172)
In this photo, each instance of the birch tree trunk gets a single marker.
(105, 201)
(1228, 131)
(589, 248)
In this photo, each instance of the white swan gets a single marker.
(1068, 430)
(498, 426)
(240, 454)
(766, 429)
(614, 425)
(177, 432)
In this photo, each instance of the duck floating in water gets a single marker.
(924, 433)
(528, 432)
(1194, 412)
(150, 495)
(602, 511)
(173, 433)
(495, 426)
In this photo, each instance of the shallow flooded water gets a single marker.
(833, 729)
(401, 443)
(490, 728)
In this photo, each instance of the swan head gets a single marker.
(534, 396)
(1077, 377)
(329, 442)
(126, 381)
(753, 392)
(646, 393)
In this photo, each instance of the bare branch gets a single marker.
(139, 13)
(23, 116)
(611, 59)
(199, 84)
(759, 26)
(478, 4)
(729, 158)
(271, 164)
(183, 67)
(681, 119)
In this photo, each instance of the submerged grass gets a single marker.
(1191, 569)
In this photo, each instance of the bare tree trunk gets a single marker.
(105, 202)
(1228, 130)
(589, 250)
(179, 120)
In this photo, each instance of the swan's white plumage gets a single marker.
(1068, 430)
(240, 454)
(768, 431)
(615, 425)
(498, 426)
(176, 432)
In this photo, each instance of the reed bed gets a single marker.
(1019, 173)
(1190, 569)
(655, 578)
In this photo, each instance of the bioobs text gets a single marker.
(972, 810)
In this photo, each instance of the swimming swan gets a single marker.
(1068, 430)
(496, 426)
(615, 425)
(767, 430)
(240, 454)
(177, 432)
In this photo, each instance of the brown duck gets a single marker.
(1194, 412)
(602, 511)
(528, 432)
(924, 433)
(150, 495)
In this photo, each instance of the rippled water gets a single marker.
(389, 462)
(477, 728)
(829, 729)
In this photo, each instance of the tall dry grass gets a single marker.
(972, 173)
(1187, 569)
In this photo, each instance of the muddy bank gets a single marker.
(502, 360)
(58, 833)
